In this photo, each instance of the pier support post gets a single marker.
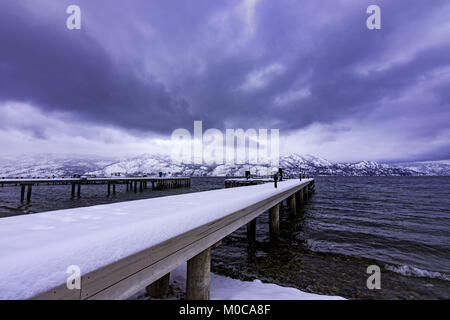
(73, 190)
(305, 193)
(300, 198)
(292, 205)
(251, 230)
(159, 288)
(135, 186)
(274, 223)
(109, 188)
(29, 192)
(78, 190)
(198, 276)
(114, 188)
(22, 192)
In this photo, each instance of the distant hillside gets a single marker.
(48, 165)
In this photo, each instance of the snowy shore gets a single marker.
(225, 288)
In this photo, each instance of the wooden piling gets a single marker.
(159, 288)
(114, 188)
(29, 192)
(198, 276)
(292, 205)
(78, 190)
(22, 192)
(73, 190)
(274, 223)
(251, 230)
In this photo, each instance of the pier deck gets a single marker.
(122, 248)
(132, 183)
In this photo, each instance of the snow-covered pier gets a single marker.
(131, 183)
(113, 251)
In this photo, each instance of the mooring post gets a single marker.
(251, 230)
(22, 192)
(274, 223)
(30, 186)
(291, 203)
(198, 276)
(159, 288)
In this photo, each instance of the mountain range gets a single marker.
(66, 165)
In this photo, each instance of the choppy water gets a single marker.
(401, 224)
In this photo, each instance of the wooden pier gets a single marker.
(132, 184)
(211, 216)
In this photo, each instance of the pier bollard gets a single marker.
(251, 230)
(274, 223)
(291, 203)
(159, 288)
(198, 276)
(22, 192)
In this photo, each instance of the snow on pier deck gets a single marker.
(121, 248)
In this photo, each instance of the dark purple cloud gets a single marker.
(153, 66)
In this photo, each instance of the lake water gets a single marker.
(401, 224)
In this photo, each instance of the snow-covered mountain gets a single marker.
(47, 165)
(57, 165)
(430, 168)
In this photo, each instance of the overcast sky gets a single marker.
(139, 69)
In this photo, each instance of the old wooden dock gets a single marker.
(132, 184)
(123, 248)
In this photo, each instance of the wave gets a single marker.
(411, 271)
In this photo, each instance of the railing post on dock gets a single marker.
(159, 288)
(251, 230)
(274, 223)
(198, 276)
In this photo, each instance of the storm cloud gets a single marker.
(149, 67)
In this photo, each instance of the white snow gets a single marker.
(225, 288)
(36, 249)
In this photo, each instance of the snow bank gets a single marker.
(37, 249)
